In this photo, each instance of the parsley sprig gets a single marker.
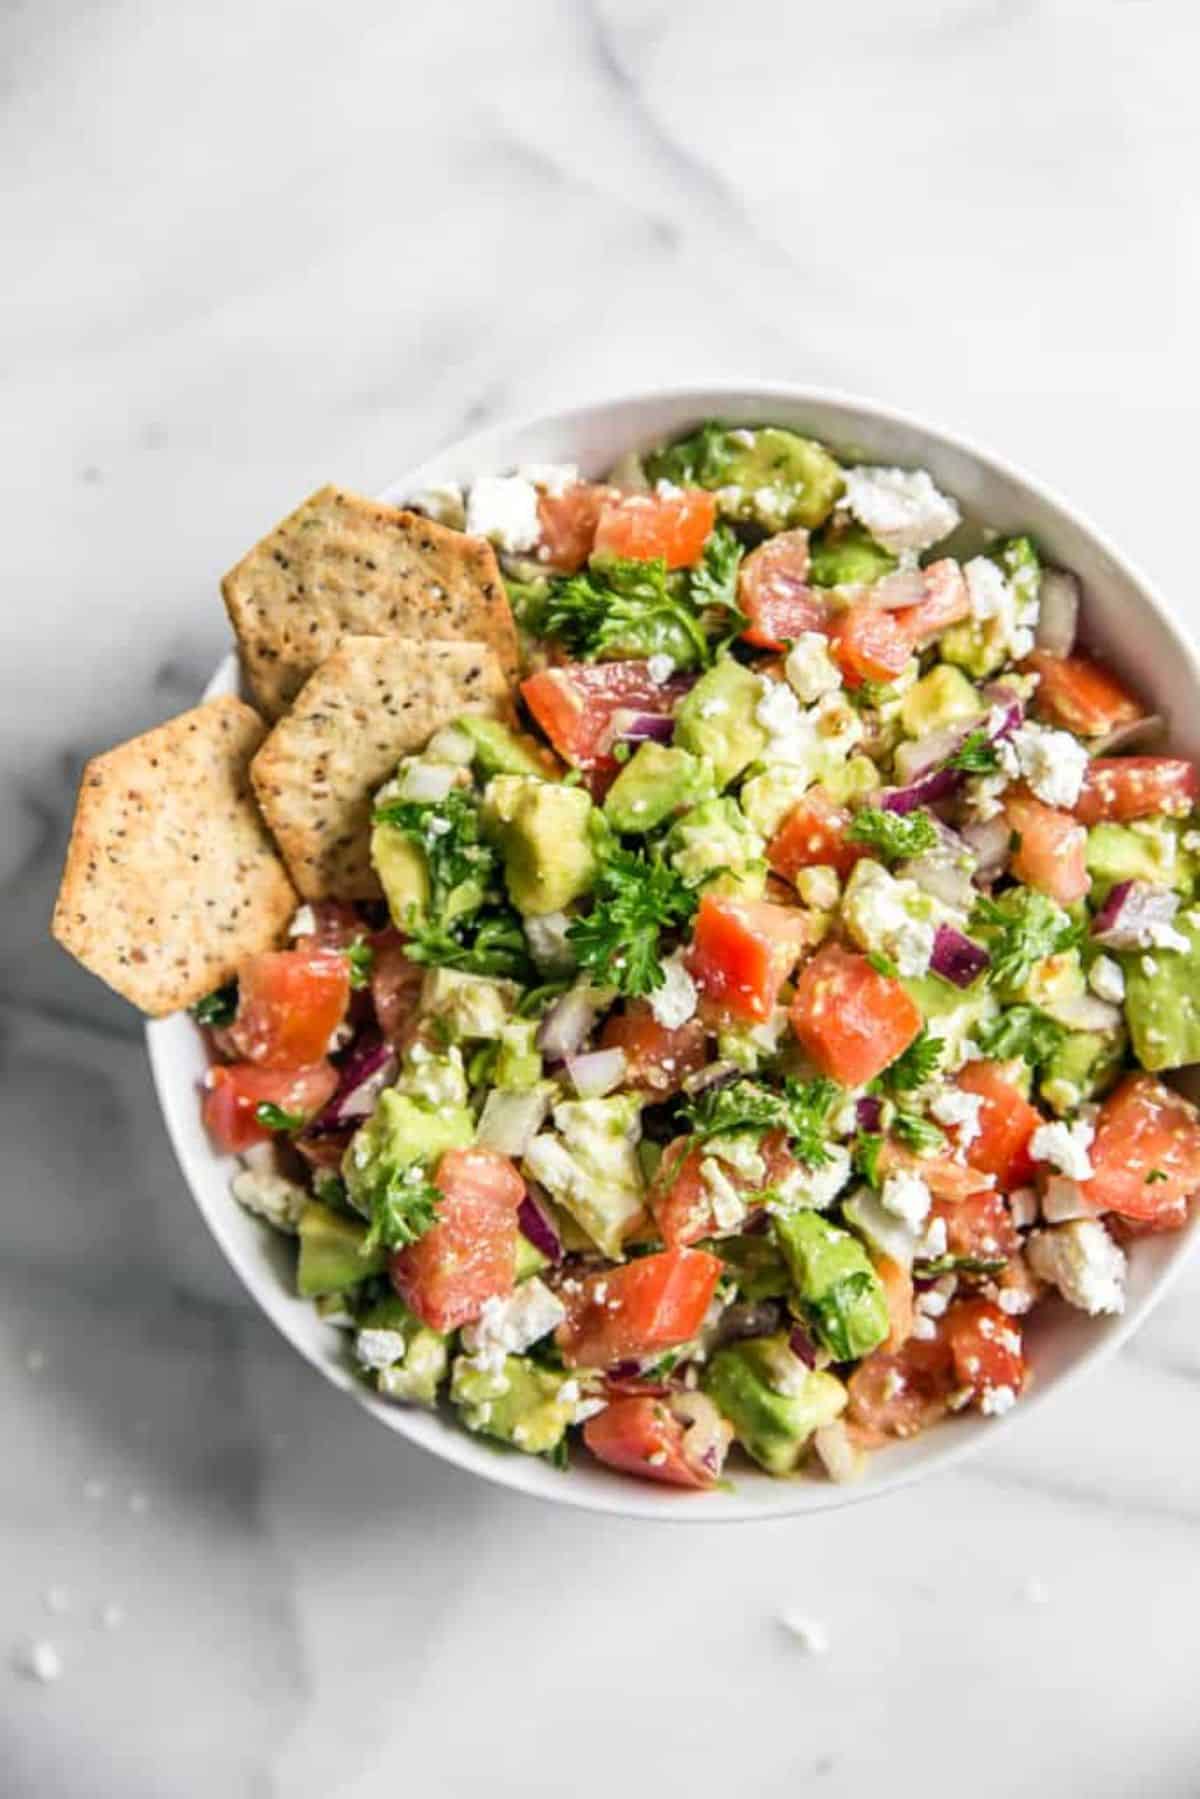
(1020, 1031)
(403, 1205)
(916, 1065)
(638, 897)
(1021, 928)
(622, 607)
(274, 1118)
(217, 1008)
(800, 1109)
(976, 755)
(893, 834)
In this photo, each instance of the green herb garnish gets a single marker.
(977, 755)
(274, 1118)
(621, 607)
(1021, 1031)
(403, 1205)
(893, 834)
(799, 1108)
(361, 958)
(1022, 928)
(924, 1138)
(218, 1008)
(865, 1157)
(916, 1065)
(637, 898)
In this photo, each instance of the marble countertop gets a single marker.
(255, 247)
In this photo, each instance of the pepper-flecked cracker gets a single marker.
(171, 879)
(345, 566)
(372, 701)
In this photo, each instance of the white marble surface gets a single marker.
(254, 246)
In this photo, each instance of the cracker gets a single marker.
(171, 879)
(342, 565)
(372, 701)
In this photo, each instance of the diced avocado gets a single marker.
(844, 554)
(950, 1013)
(773, 1401)
(839, 1292)
(1083, 1067)
(764, 475)
(403, 873)
(543, 829)
(518, 1403)
(657, 782)
(755, 1264)
(1052, 981)
(467, 1005)
(400, 1131)
(436, 1079)
(499, 750)
(416, 1375)
(767, 798)
(717, 836)
(589, 1165)
(518, 1059)
(851, 780)
(717, 719)
(530, 1260)
(1022, 565)
(1147, 850)
(332, 1258)
(978, 645)
(1162, 1001)
(942, 697)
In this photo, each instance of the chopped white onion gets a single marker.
(510, 1121)
(597, 1073)
(1058, 616)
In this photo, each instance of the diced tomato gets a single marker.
(1052, 852)
(237, 1089)
(898, 1291)
(979, 1225)
(814, 834)
(568, 521)
(1076, 692)
(900, 1395)
(946, 602)
(1124, 787)
(289, 1005)
(868, 643)
(639, 1310)
(336, 925)
(395, 987)
(1006, 1123)
(680, 1198)
(850, 1019)
(577, 705)
(1171, 1218)
(1146, 1153)
(646, 526)
(945, 1178)
(470, 1254)
(743, 951)
(986, 1346)
(649, 1437)
(774, 594)
(657, 1059)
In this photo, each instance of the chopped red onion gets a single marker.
(1058, 615)
(919, 756)
(801, 1344)
(567, 1024)
(957, 958)
(510, 1121)
(868, 1113)
(925, 792)
(1010, 706)
(367, 1070)
(706, 1436)
(1132, 908)
(941, 873)
(991, 845)
(643, 727)
(537, 1229)
(1141, 734)
(597, 1073)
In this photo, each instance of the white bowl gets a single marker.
(1123, 618)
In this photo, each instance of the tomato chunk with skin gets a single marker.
(1145, 1129)
(470, 1254)
(814, 835)
(979, 1225)
(681, 1200)
(850, 1019)
(945, 1178)
(578, 705)
(901, 1394)
(639, 1310)
(946, 603)
(743, 951)
(395, 988)
(643, 1435)
(774, 594)
(647, 526)
(1120, 788)
(1051, 854)
(1007, 1121)
(658, 1059)
(1082, 695)
(236, 1090)
(289, 1005)
(869, 644)
(986, 1347)
(568, 523)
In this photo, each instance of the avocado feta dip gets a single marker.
(766, 1015)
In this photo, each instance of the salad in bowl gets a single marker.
(696, 955)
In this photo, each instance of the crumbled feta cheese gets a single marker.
(812, 1637)
(1023, 1204)
(660, 667)
(907, 1196)
(901, 508)
(667, 490)
(778, 710)
(270, 1196)
(1158, 934)
(882, 914)
(923, 1329)
(728, 1206)
(508, 1326)
(1065, 1147)
(304, 922)
(1053, 762)
(810, 669)
(984, 796)
(443, 502)
(379, 1348)
(995, 1401)
(1083, 1262)
(814, 1188)
(934, 1243)
(553, 478)
(958, 1111)
(503, 508)
(674, 1002)
(932, 1303)
(1106, 978)
(40, 1661)
(548, 942)
(992, 597)
(819, 886)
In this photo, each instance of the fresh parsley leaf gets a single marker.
(865, 1157)
(976, 755)
(1020, 1031)
(637, 898)
(218, 1008)
(1155, 1175)
(489, 942)
(882, 964)
(919, 1134)
(714, 587)
(619, 606)
(361, 958)
(535, 1000)
(463, 868)
(800, 1109)
(702, 459)
(1022, 927)
(274, 1118)
(958, 1265)
(559, 1454)
(893, 834)
(918, 1063)
(403, 1205)
(809, 1104)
